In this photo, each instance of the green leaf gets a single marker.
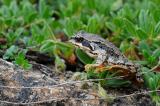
(9, 21)
(117, 83)
(103, 94)
(59, 64)
(44, 10)
(157, 29)
(72, 25)
(2, 25)
(119, 22)
(65, 48)
(156, 15)
(5, 11)
(27, 10)
(130, 27)
(47, 46)
(143, 15)
(83, 57)
(146, 21)
(145, 62)
(7, 2)
(151, 83)
(19, 31)
(151, 59)
(156, 53)
(141, 34)
(93, 25)
(11, 52)
(14, 8)
(110, 26)
(32, 16)
(103, 7)
(37, 34)
(143, 45)
(117, 5)
(90, 4)
(124, 46)
(21, 61)
(146, 54)
(68, 27)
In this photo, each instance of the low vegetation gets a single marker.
(46, 25)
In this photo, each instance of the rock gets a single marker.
(42, 86)
(36, 87)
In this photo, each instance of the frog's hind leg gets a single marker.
(111, 68)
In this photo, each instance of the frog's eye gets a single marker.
(79, 39)
(87, 44)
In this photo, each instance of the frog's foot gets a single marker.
(91, 66)
(96, 67)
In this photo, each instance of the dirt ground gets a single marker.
(42, 86)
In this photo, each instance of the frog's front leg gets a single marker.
(101, 58)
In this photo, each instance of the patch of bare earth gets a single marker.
(42, 86)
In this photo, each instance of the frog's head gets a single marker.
(85, 41)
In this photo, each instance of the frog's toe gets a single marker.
(89, 67)
(101, 69)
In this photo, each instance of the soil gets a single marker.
(42, 86)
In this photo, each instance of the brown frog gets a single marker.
(106, 54)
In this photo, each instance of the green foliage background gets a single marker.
(132, 25)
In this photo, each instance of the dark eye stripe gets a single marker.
(79, 39)
(87, 44)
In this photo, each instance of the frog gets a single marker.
(107, 56)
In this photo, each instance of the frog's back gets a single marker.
(110, 48)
